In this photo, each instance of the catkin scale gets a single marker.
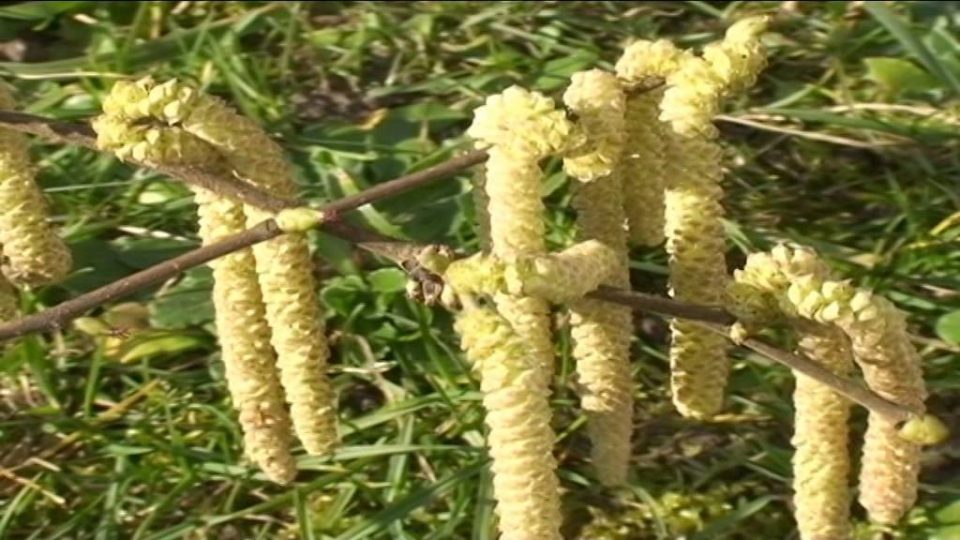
(244, 336)
(518, 416)
(33, 253)
(601, 332)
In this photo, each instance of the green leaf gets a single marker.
(188, 303)
(948, 327)
(388, 280)
(33, 11)
(897, 76)
(950, 513)
(951, 532)
(159, 345)
(901, 31)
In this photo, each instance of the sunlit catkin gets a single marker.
(643, 167)
(821, 461)
(519, 128)
(518, 416)
(891, 367)
(286, 277)
(249, 362)
(601, 332)
(284, 266)
(33, 253)
(693, 221)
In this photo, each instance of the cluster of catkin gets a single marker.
(31, 252)
(639, 144)
(838, 325)
(268, 314)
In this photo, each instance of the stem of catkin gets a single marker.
(601, 332)
(33, 253)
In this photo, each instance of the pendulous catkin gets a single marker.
(283, 264)
(881, 346)
(693, 213)
(644, 167)
(602, 332)
(33, 253)
(521, 440)
(520, 128)
(821, 461)
(249, 362)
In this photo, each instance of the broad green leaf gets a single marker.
(897, 76)
(188, 303)
(948, 327)
(387, 280)
(949, 513)
(147, 346)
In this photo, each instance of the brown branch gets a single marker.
(57, 316)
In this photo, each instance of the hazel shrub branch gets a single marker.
(647, 167)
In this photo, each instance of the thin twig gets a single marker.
(56, 317)
(719, 321)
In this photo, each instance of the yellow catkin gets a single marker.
(8, 300)
(821, 461)
(601, 332)
(33, 253)
(644, 167)
(284, 266)
(693, 214)
(249, 362)
(518, 416)
(891, 367)
(519, 128)
(698, 273)
(694, 90)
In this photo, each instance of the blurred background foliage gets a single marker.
(847, 144)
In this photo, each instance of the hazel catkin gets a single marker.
(602, 332)
(244, 336)
(8, 300)
(284, 266)
(518, 416)
(519, 128)
(643, 166)
(33, 253)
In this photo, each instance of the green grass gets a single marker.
(849, 154)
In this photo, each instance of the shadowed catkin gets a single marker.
(518, 416)
(284, 267)
(643, 167)
(693, 221)
(519, 128)
(8, 300)
(601, 332)
(249, 362)
(33, 253)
